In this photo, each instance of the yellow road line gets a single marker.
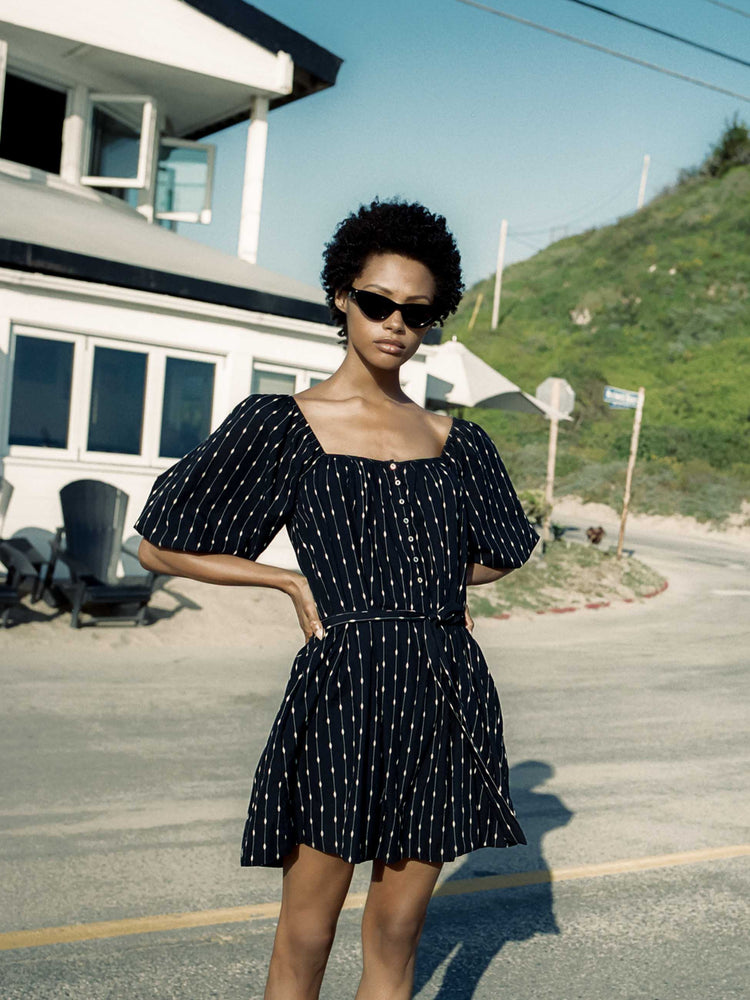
(355, 900)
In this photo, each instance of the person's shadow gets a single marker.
(467, 930)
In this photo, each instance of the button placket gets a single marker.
(397, 479)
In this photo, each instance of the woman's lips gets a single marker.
(390, 347)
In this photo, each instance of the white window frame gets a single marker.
(157, 404)
(145, 149)
(84, 455)
(76, 385)
(204, 216)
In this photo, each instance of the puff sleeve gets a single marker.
(233, 492)
(500, 535)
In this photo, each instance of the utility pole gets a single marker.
(644, 177)
(499, 273)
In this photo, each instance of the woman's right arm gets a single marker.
(235, 571)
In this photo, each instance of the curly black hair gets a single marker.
(392, 226)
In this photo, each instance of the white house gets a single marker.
(122, 344)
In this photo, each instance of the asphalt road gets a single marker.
(124, 793)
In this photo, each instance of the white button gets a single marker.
(406, 520)
(419, 579)
(411, 538)
(402, 500)
(416, 558)
(397, 482)
(393, 465)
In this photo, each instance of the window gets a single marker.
(32, 123)
(81, 397)
(184, 180)
(40, 392)
(269, 377)
(121, 134)
(118, 389)
(187, 407)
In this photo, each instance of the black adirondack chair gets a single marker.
(90, 543)
(22, 578)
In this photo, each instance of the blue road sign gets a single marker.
(620, 399)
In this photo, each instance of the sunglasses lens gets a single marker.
(378, 308)
(417, 316)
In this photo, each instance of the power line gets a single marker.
(585, 210)
(661, 31)
(601, 48)
(726, 6)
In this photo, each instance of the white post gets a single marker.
(252, 187)
(499, 273)
(74, 130)
(551, 456)
(631, 466)
(644, 176)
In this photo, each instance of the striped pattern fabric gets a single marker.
(388, 742)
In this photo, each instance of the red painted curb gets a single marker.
(594, 606)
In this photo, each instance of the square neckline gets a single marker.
(366, 458)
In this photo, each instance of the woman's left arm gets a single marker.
(476, 573)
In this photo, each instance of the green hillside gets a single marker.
(663, 301)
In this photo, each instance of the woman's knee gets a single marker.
(307, 937)
(393, 930)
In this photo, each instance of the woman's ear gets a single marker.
(341, 299)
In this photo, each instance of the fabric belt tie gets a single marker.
(449, 614)
(463, 701)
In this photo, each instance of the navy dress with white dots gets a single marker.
(388, 742)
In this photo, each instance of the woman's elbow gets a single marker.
(148, 556)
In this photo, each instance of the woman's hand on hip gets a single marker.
(304, 605)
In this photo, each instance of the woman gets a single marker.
(388, 743)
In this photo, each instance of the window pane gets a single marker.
(114, 143)
(35, 145)
(181, 180)
(117, 395)
(272, 381)
(188, 400)
(40, 400)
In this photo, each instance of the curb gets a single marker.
(592, 606)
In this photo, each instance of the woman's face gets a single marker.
(404, 281)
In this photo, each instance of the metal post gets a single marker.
(499, 273)
(631, 466)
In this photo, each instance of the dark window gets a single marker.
(40, 399)
(188, 400)
(31, 129)
(118, 389)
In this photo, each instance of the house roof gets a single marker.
(85, 234)
(201, 60)
(315, 68)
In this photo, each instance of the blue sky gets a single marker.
(479, 119)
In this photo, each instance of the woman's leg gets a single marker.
(313, 891)
(392, 923)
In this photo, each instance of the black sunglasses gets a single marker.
(416, 315)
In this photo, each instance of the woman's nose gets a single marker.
(395, 321)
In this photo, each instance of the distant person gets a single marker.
(388, 744)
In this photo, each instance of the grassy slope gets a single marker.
(684, 336)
